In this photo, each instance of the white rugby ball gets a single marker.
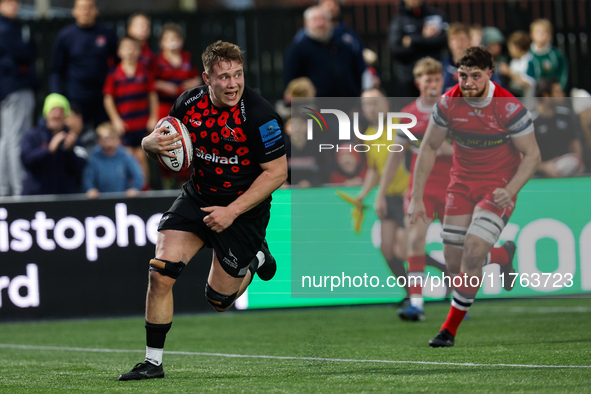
(570, 165)
(184, 153)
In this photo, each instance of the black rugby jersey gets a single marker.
(229, 143)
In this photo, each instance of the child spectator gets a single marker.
(493, 40)
(111, 168)
(50, 152)
(549, 61)
(175, 72)
(371, 78)
(475, 34)
(350, 167)
(520, 83)
(138, 27)
(299, 87)
(131, 100)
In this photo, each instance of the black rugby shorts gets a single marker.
(235, 247)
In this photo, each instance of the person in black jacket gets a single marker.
(17, 101)
(331, 65)
(82, 55)
(417, 32)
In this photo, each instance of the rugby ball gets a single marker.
(184, 153)
(569, 165)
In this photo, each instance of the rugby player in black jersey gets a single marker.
(239, 160)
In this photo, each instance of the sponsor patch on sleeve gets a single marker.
(270, 133)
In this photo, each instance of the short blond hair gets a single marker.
(173, 28)
(105, 130)
(427, 66)
(221, 51)
(300, 87)
(458, 28)
(541, 22)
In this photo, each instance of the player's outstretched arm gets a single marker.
(273, 175)
(528, 146)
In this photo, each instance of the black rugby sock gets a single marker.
(397, 267)
(434, 263)
(156, 334)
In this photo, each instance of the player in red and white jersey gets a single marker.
(428, 76)
(491, 130)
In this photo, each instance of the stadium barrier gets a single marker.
(551, 227)
(74, 258)
(71, 257)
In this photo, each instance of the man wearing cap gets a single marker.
(51, 153)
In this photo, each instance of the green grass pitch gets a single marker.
(537, 346)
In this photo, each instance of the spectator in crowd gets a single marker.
(111, 168)
(131, 100)
(52, 156)
(493, 40)
(418, 31)
(75, 123)
(332, 66)
(350, 166)
(175, 71)
(307, 168)
(581, 100)
(520, 83)
(371, 78)
(458, 40)
(139, 26)
(299, 87)
(549, 61)
(373, 105)
(475, 34)
(557, 129)
(17, 101)
(341, 31)
(82, 55)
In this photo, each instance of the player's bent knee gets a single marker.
(454, 235)
(487, 226)
(167, 268)
(219, 302)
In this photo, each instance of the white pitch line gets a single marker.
(339, 360)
